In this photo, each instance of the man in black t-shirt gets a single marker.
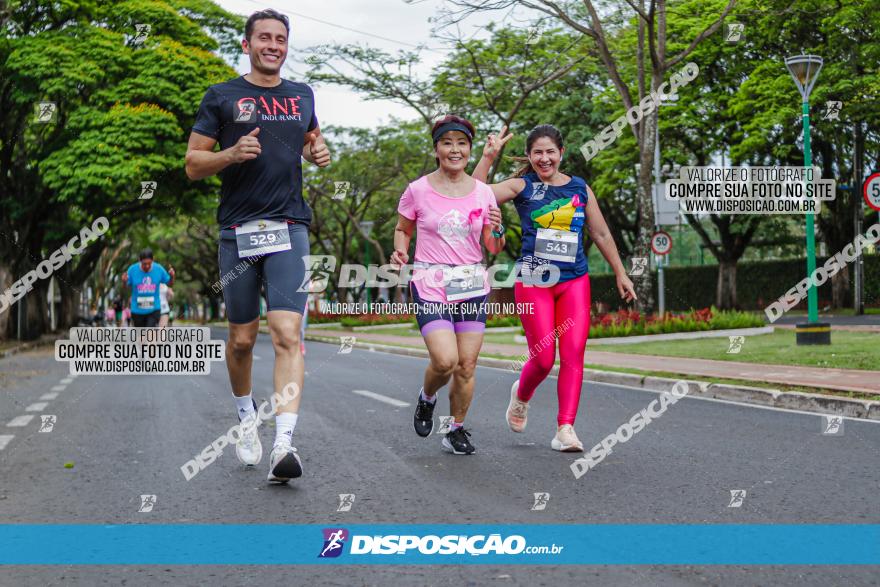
(264, 126)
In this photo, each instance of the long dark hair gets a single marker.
(542, 130)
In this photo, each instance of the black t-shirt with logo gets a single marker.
(270, 186)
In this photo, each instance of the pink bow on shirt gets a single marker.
(475, 213)
(576, 201)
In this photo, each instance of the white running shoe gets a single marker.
(517, 411)
(566, 440)
(284, 464)
(248, 449)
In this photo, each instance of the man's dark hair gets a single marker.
(263, 14)
(145, 254)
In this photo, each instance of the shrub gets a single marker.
(374, 319)
(498, 320)
(630, 323)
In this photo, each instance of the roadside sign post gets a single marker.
(871, 191)
(870, 196)
(661, 244)
(664, 212)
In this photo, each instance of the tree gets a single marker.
(488, 81)
(123, 105)
(652, 65)
(371, 168)
(767, 105)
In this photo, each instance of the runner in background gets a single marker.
(117, 309)
(144, 278)
(264, 127)
(165, 296)
(452, 213)
(553, 209)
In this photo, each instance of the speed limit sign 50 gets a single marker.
(872, 191)
(661, 243)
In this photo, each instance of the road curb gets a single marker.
(790, 400)
(25, 346)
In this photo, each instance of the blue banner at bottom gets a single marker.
(179, 544)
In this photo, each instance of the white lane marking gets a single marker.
(21, 420)
(49, 396)
(4, 440)
(379, 397)
(66, 380)
(36, 407)
(58, 388)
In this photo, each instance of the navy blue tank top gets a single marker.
(553, 218)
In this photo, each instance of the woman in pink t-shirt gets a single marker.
(451, 212)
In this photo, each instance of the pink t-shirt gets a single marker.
(448, 233)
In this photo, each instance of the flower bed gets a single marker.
(621, 323)
(631, 323)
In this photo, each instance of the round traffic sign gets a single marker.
(661, 243)
(871, 191)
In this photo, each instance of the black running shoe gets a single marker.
(423, 420)
(457, 442)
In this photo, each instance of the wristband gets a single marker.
(498, 234)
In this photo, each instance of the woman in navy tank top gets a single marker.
(553, 276)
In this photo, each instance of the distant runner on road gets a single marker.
(144, 279)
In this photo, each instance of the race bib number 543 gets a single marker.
(556, 245)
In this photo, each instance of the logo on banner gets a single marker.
(334, 540)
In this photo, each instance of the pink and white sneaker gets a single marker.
(517, 411)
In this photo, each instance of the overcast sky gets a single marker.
(405, 24)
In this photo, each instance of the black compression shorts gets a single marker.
(277, 276)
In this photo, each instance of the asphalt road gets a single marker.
(129, 435)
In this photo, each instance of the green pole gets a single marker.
(812, 300)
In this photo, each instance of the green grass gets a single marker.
(848, 350)
(836, 312)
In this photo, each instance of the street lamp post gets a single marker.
(804, 69)
(366, 227)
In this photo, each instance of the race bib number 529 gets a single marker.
(260, 237)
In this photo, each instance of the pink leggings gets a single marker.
(562, 311)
